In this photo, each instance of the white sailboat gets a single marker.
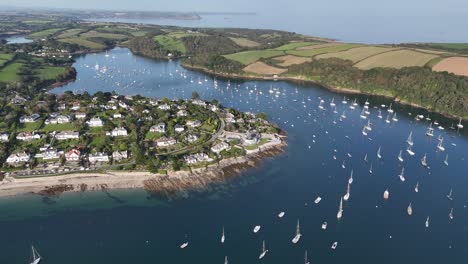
(332, 103)
(318, 199)
(367, 102)
(350, 180)
(378, 153)
(370, 169)
(410, 139)
(324, 225)
(416, 188)
(223, 237)
(346, 196)
(321, 106)
(427, 222)
(225, 260)
(451, 214)
(394, 118)
(298, 235)
(355, 102)
(339, 215)
(390, 110)
(365, 157)
(386, 194)
(334, 245)
(459, 125)
(256, 229)
(343, 165)
(368, 126)
(446, 160)
(264, 251)
(430, 131)
(424, 160)
(305, 258)
(402, 175)
(440, 146)
(400, 158)
(184, 245)
(410, 151)
(409, 210)
(280, 215)
(449, 196)
(380, 114)
(35, 257)
(388, 119)
(343, 115)
(344, 100)
(364, 131)
(363, 114)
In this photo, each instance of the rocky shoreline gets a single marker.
(173, 182)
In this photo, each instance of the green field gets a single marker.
(45, 33)
(49, 72)
(83, 42)
(243, 42)
(294, 45)
(170, 43)
(5, 58)
(456, 46)
(396, 59)
(95, 34)
(70, 33)
(248, 57)
(314, 52)
(356, 54)
(58, 127)
(182, 34)
(9, 72)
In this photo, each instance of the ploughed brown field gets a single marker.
(263, 69)
(455, 65)
(318, 46)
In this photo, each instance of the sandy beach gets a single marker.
(170, 183)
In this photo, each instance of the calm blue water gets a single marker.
(18, 40)
(361, 26)
(130, 226)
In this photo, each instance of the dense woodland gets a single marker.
(441, 92)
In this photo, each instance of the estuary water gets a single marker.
(131, 226)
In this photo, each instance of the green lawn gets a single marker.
(153, 135)
(98, 141)
(9, 72)
(251, 56)
(29, 127)
(49, 72)
(294, 45)
(83, 42)
(58, 127)
(170, 43)
(314, 52)
(45, 33)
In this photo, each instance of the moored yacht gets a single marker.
(324, 225)
(410, 139)
(409, 210)
(318, 199)
(306, 261)
(427, 222)
(346, 196)
(424, 160)
(459, 125)
(446, 160)
(451, 214)
(256, 228)
(386, 194)
(430, 131)
(280, 215)
(350, 180)
(402, 175)
(410, 151)
(449, 196)
(334, 245)
(400, 158)
(378, 153)
(416, 188)
(339, 215)
(264, 251)
(223, 237)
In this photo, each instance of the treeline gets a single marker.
(437, 91)
(146, 46)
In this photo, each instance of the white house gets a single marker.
(76, 106)
(117, 115)
(165, 142)
(64, 135)
(199, 102)
(181, 113)
(80, 115)
(27, 136)
(95, 122)
(214, 108)
(50, 154)
(4, 137)
(192, 138)
(230, 118)
(57, 119)
(98, 157)
(196, 158)
(159, 128)
(118, 132)
(72, 155)
(194, 123)
(179, 128)
(17, 158)
(29, 119)
(164, 107)
(119, 155)
(220, 147)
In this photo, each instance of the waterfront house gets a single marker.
(119, 155)
(80, 115)
(220, 147)
(118, 132)
(165, 142)
(164, 107)
(95, 122)
(194, 123)
(179, 128)
(98, 157)
(51, 153)
(29, 119)
(196, 158)
(4, 137)
(214, 108)
(192, 138)
(18, 158)
(182, 113)
(159, 128)
(64, 135)
(72, 155)
(27, 136)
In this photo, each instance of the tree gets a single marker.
(195, 95)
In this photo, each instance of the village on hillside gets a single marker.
(68, 133)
